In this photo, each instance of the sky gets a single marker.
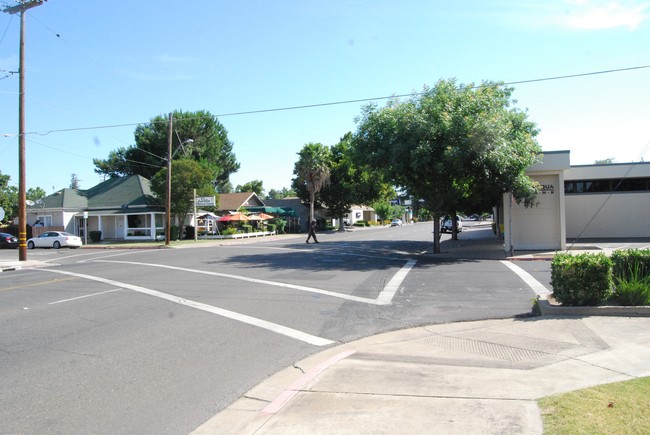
(96, 69)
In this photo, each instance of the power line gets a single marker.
(359, 100)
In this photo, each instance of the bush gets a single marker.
(360, 224)
(95, 236)
(271, 227)
(632, 289)
(247, 228)
(229, 231)
(174, 232)
(631, 261)
(584, 279)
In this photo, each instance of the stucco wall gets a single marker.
(623, 215)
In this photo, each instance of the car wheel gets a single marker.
(56, 245)
(30, 245)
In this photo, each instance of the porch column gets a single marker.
(152, 226)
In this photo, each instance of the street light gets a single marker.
(170, 156)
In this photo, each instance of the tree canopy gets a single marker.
(350, 182)
(312, 171)
(451, 145)
(211, 148)
(187, 175)
(256, 186)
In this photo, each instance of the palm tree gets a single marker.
(313, 170)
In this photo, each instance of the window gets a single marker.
(607, 185)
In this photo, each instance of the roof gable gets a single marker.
(133, 190)
(235, 201)
(114, 193)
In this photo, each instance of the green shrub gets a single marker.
(95, 236)
(360, 224)
(271, 227)
(174, 232)
(631, 261)
(247, 228)
(584, 279)
(229, 231)
(632, 287)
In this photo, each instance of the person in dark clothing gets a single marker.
(312, 232)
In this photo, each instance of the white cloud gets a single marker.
(594, 15)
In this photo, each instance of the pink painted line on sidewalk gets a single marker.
(297, 385)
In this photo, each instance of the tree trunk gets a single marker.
(454, 227)
(312, 198)
(436, 234)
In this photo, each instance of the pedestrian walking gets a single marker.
(312, 231)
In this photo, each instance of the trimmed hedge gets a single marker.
(629, 260)
(584, 279)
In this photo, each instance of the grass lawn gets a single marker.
(621, 408)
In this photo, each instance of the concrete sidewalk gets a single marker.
(474, 377)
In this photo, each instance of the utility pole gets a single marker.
(21, 7)
(168, 202)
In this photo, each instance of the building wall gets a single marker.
(619, 215)
(539, 226)
(609, 214)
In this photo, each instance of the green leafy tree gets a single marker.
(387, 211)
(312, 171)
(282, 193)
(187, 175)
(256, 186)
(211, 148)
(8, 198)
(451, 144)
(35, 193)
(350, 183)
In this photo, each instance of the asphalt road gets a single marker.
(158, 341)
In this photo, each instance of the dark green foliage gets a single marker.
(247, 228)
(271, 227)
(631, 270)
(361, 224)
(629, 260)
(584, 279)
(95, 236)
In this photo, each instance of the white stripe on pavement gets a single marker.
(279, 329)
(386, 296)
(84, 296)
(254, 280)
(537, 287)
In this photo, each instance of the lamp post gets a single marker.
(170, 156)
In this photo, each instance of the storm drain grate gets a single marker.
(499, 351)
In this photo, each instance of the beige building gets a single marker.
(579, 202)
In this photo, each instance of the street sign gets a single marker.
(205, 201)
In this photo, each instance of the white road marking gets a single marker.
(279, 329)
(84, 296)
(386, 296)
(256, 281)
(537, 287)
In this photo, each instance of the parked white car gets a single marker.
(446, 225)
(54, 239)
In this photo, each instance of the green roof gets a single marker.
(114, 193)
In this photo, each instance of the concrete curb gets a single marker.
(549, 309)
